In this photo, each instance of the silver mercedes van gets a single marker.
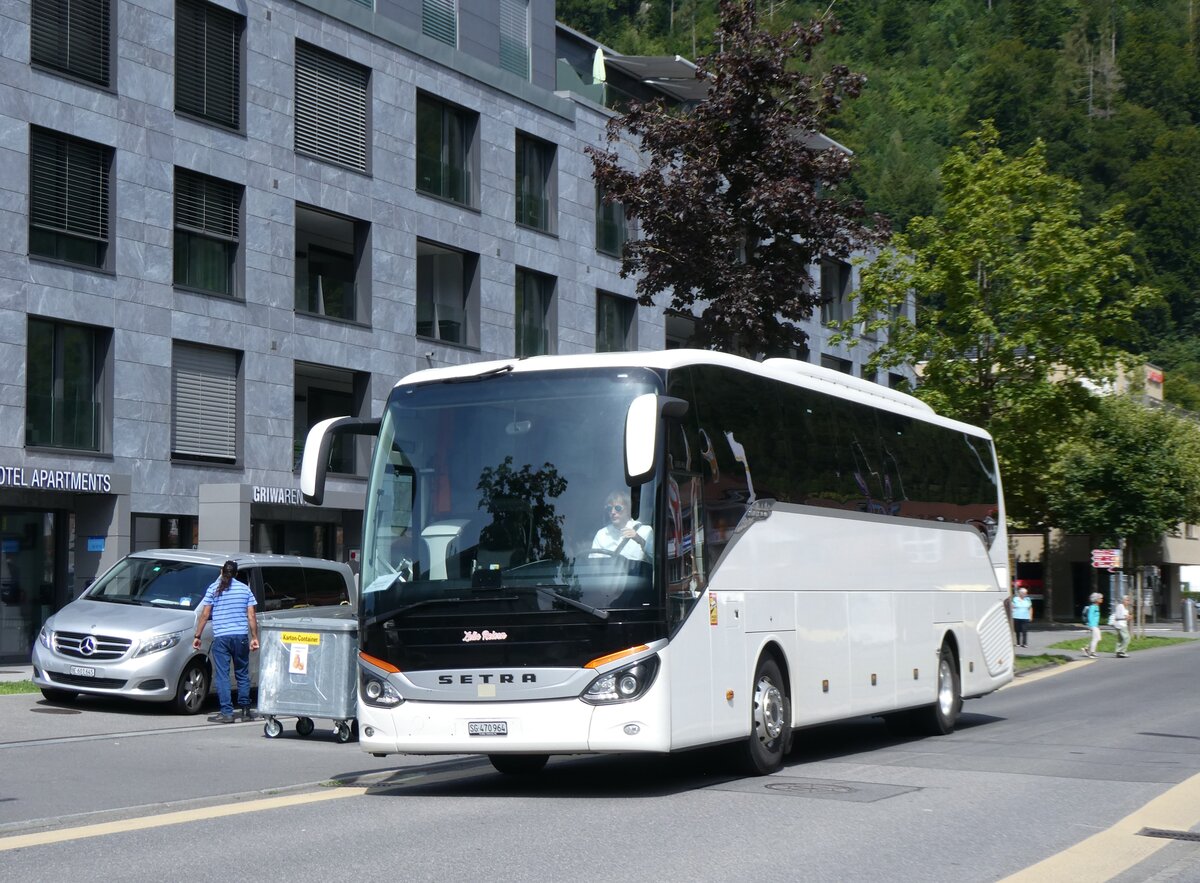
(130, 633)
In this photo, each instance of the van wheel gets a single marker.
(770, 723)
(939, 719)
(193, 688)
(59, 697)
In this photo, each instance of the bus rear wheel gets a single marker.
(518, 764)
(770, 723)
(939, 719)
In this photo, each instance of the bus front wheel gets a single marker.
(770, 722)
(939, 719)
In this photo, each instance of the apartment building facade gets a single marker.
(224, 221)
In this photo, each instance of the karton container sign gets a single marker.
(1106, 559)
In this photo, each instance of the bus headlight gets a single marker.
(378, 692)
(623, 684)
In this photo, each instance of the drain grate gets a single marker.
(55, 711)
(1193, 836)
(811, 788)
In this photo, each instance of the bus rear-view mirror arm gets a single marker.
(642, 422)
(315, 462)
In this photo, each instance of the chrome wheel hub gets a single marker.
(768, 709)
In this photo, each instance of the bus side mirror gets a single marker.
(315, 462)
(642, 422)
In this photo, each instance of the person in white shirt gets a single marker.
(622, 536)
(1121, 624)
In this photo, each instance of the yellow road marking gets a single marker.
(1117, 849)
(1046, 673)
(43, 838)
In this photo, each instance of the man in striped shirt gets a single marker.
(235, 634)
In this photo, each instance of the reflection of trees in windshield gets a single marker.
(523, 518)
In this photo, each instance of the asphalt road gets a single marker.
(1049, 779)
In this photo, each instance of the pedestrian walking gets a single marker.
(1120, 621)
(1022, 615)
(1091, 619)
(230, 603)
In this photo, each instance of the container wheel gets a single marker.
(304, 726)
(343, 732)
(272, 728)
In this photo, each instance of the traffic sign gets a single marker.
(1106, 559)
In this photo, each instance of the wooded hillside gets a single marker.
(1111, 86)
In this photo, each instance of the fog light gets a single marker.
(632, 729)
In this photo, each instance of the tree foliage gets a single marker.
(1019, 303)
(736, 201)
(1132, 472)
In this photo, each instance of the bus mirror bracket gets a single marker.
(315, 462)
(642, 422)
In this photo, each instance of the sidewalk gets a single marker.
(1042, 635)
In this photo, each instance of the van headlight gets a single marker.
(44, 637)
(378, 692)
(622, 685)
(159, 642)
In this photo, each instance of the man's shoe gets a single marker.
(249, 714)
(221, 719)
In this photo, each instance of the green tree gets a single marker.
(736, 203)
(1017, 303)
(1132, 473)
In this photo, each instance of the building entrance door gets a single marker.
(27, 573)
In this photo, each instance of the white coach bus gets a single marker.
(650, 552)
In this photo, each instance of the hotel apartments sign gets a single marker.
(55, 480)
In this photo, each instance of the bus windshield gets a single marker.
(509, 487)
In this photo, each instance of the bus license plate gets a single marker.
(80, 672)
(487, 728)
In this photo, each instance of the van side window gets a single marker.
(283, 587)
(326, 587)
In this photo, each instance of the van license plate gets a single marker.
(80, 672)
(487, 728)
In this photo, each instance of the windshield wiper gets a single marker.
(134, 601)
(471, 378)
(551, 590)
(404, 608)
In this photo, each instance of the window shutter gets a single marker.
(69, 184)
(439, 20)
(206, 205)
(208, 62)
(72, 36)
(514, 37)
(204, 390)
(331, 108)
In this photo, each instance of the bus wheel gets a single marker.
(518, 764)
(770, 722)
(939, 719)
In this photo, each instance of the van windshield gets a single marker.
(155, 582)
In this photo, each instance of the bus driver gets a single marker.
(622, 535)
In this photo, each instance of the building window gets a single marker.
(534, 314)
(611, 229)
(330, 266)
(679, 331)
(514, 37)
(535, 184)
(204, 404)
(833, 363)
(207, 233)
(65, 390)
(447, 157)
(208, 63)
(615, 325)
(447, 300)
(72, 37)
(321, 393)
(331, 108)
(835, 292)
(69, 198)
(439, 19)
